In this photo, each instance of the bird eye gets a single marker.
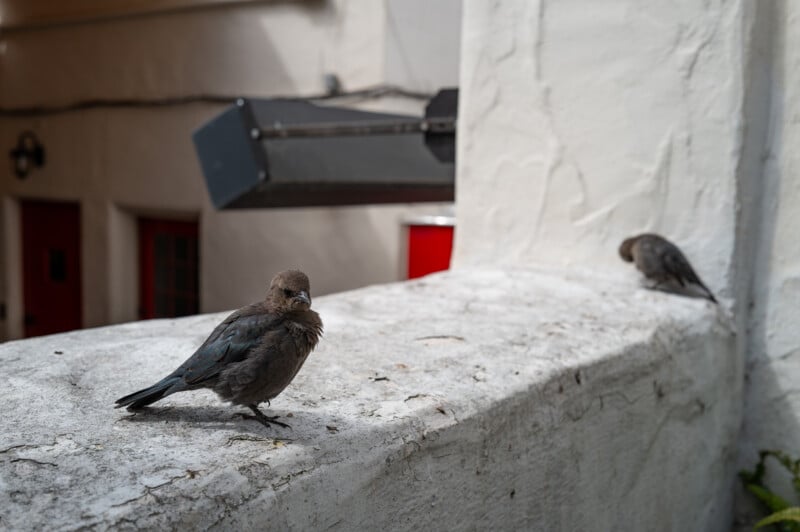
(287, 292)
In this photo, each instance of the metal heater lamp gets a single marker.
(263, 153)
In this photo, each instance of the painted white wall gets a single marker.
(773, 397)
(124, 163)
(605, 119)
(584, 122)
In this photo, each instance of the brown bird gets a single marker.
(661, 261)
(251, 356)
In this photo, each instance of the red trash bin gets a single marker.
(429, 244)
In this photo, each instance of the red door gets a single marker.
(429, 249)
(168, 280)
(51, 266)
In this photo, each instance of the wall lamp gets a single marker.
(28, 154)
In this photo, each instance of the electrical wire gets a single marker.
(378, 91)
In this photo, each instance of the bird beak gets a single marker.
(303, 296)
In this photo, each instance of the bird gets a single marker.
(252, 355)
(662, 261)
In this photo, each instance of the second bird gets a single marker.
(661, 261)
(251, 356)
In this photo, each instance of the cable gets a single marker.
(377, 91)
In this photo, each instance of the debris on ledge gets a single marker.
(468, 399)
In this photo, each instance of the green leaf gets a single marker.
(774, 502)
(788, 514)
(785, 518)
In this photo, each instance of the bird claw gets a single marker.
(263, 419)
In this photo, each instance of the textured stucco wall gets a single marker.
(773, 370)
(605, 119)
(611, 118)
(124, 163)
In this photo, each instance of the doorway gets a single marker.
(168, 268)
(51, 266)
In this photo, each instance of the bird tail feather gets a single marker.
(149, 395)
(709, 294)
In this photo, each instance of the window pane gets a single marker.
(181, 248)
(58, 265)
(161, 248)
(182, 307)
(162, 305)
(161, 277)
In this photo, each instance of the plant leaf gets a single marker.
(774, 502)
(787, 514)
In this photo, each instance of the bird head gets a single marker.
(290, 291)
(626, 248)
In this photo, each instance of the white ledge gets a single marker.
(465, 400)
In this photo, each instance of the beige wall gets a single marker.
(36, 13)
(251, 49)
(120, 163)
(417, 29)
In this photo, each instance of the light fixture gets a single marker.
(333, 86)
(28, 154)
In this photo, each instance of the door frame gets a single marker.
(12, 268)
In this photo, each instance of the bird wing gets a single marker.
(230, 342)
(679, 268)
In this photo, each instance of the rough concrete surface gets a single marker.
(465, 400)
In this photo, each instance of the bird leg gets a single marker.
(261, 418)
